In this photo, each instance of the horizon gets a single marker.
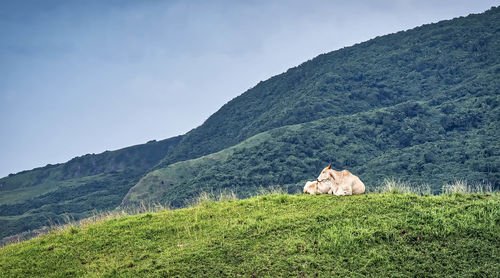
(123, 73)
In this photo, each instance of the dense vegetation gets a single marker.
(382, 235)
(438, 62)
(76, 189)
(419, 105)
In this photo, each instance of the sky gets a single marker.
(80, 77)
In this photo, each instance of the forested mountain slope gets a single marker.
(439, 62)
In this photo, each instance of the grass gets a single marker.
(462, 186)
(398, 186)
(388, 234)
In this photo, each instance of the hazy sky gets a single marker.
(81, 77)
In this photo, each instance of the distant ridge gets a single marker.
(78, 188)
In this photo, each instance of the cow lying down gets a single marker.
(338, 183)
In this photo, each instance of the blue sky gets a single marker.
(80, 77)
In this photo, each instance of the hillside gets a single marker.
(419, 105)
(435, 62)
(75, 189)
(277, 236)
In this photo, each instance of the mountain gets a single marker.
(381, 235)
(420, 105)
(442, 61)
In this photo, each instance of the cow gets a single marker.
(341, 183)
(314, 187)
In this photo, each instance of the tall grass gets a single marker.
(230, 195)
(459, 186)
(462, 186)
(398, 186)
(107, 215)
(274, 189)
(205, 197)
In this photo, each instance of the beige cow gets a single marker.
(314, 187)
(340, 182)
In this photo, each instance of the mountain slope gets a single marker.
(75, 189)
(279, 235)
(424, 63)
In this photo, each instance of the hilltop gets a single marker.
(279, 235)
(420, 105)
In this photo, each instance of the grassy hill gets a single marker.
(420, 105)
(279, 236)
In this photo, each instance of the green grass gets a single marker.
(279, 235)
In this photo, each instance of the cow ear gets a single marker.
(329, 166)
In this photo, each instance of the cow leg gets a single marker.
(333, 189)
(340, 192)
